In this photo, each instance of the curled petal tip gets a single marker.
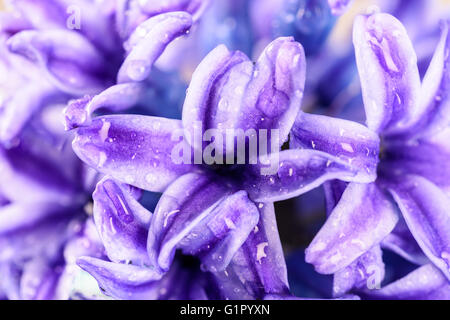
(149, 41)
(75, 114)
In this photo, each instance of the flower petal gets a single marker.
(132, 149)
(365, 272)
(344, 139)
(93, 19)
(28, 177)
(387, 66)
(402, 242)
(291, 173)
(123, 281)
(259, 267)
(273, 97)
(424, 283)
(42, 236)
(148, 42)
(121, 221)
(15, 113)
(212, 91)
(361, 219)
(38, 280)
(116, 98)
(425, 209)
(434, 97)
(333, 192)
(10, 281)
(16, 215)
(68, 59)
(228, 92)
(43, 14)
(424, 157)
(201, 218)
(194, 7)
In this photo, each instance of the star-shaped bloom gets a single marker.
(256, 270)
(131, 273)
(412, 121)
(221, 213)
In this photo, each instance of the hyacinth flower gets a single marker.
(83, 52)
(134, 86)
(227, 90)
(411, 120)
(342, 97)
(42, 207)
(81, 49)
(123, 224)
(17, 109)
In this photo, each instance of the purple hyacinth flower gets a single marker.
(78, 49)
(256, 270)
(41, 207)
(144, 46)
(410, 120)
(221, 214)
(123, 223)
(137, 149)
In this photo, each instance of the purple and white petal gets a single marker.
(435, 97)
(387, 66)
(427, 157)
(347, 140)
(148, 42)
(133, 149)
(202, 218)
(258, 268)
(38, 280)
(402, 242)
(123, 281)
(116, 98)
(93, 19)
(28, 177)
(72, 63)
(215, 92)
(17, 111)
(42, 14)
(363, 218)
(194, 7)
(290, 173)
(273, 97)
(122, 222)
(333, 192)
(16, 215)
(425, 208)
(424, 283)
(365, 272)
(44, 237)
(228, 92)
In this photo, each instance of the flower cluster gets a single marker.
(166, 149)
